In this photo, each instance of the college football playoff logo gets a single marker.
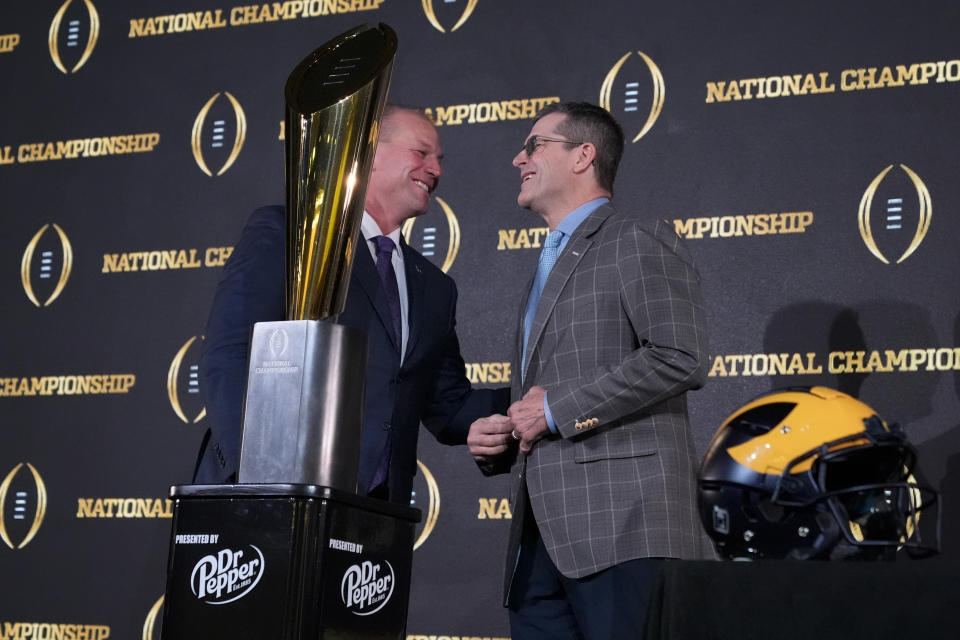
(625, 85)
(23, 505)
(449, 9)
(435, 234)
(183, 382)
(426, 497)
(151, 620)
(65, 38)
(279, 341)
(46, 264)
(899, 224)
(213, 141)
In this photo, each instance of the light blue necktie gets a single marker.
(548, 256)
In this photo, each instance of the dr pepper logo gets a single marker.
(227, 575)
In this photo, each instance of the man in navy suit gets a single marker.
(414, 370)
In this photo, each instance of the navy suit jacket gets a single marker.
(429, 387)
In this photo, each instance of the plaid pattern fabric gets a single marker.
(617, 340)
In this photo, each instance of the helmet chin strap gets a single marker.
(829, 538)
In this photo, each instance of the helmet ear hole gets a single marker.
(770, 511)
(751, 513)
(757, 507)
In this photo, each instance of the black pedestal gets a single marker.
(797, 600)
(286, 562)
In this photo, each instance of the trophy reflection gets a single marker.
(303, 408)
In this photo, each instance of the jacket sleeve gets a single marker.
(454, 404)
(251, 290)
(660, 299)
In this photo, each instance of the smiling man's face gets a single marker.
(406, 169)
(544, 172)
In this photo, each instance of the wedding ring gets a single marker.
(516, 436)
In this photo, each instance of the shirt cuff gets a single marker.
(551, 423)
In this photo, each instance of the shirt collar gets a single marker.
(370, 230)
(573, 220)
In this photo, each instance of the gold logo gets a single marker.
(896, 215)
(73, 35)
(432, 15)
(425, 480)
(429, 240)
(177, 383)
(151, 619)
(216, 138)
(626, 102)
(45, 274)
(14, 513)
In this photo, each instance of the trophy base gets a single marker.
(303, 413)
(296, 562)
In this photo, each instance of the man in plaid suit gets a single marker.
(597, 440)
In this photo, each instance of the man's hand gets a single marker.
(529, 419)
(489, 437)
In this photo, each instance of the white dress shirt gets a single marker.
(371, 230)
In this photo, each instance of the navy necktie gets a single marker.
(548, 256)
(378, 485)
(388, 277)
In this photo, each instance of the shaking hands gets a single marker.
(525, 423)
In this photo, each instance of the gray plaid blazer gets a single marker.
(617, 340)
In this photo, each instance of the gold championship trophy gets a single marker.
(302, 415)
(292, 551)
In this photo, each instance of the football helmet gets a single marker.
(812, 473)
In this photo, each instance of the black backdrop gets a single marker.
(137, 137)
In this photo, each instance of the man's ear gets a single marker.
(586, 154)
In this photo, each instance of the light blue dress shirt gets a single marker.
(568, 225)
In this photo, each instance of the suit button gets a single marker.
(386, 426)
